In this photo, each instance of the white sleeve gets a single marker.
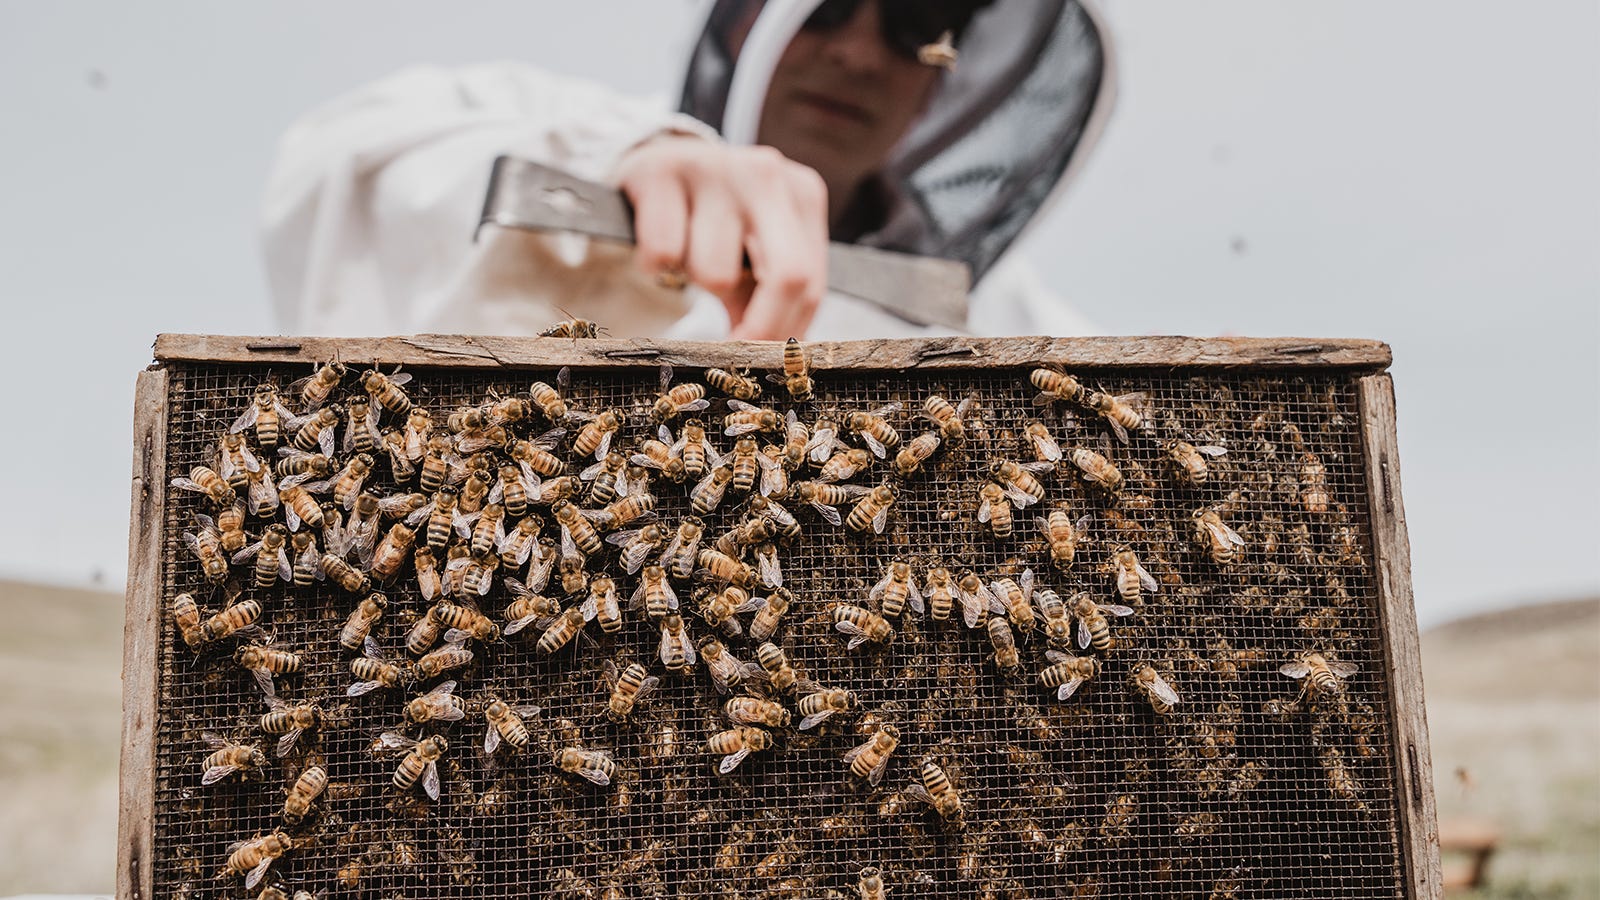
(369, 211)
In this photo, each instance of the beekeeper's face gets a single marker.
(846, 90)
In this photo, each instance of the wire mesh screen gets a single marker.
(1248, 788)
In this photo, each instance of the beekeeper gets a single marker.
(934, 127)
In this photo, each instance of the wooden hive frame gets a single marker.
(1364, 361)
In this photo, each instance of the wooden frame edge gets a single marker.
(458, 351)
(141, 640)
(1391, 545)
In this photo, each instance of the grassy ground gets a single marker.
(1513, 700)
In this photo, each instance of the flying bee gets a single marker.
(862, 625)
(1019, 481)
(299, 507)
(845, 465)
(576, 530)
(594, 439)
(227, 758)
(822, 704)
(1163, 699)
(938, 410)
(1014, 600)
(1220, 543)
(1188, 461)
(265, 662)
(449, 657)
(315, 431)
(1313, 483)
(1045, 448)
(1094, 630)
(769, 613)
(1057, 621)
(549, 399)
(916, 452)
(239, 618)
(719, 608)
(1005, 645)
(186, 618)
(1096, 470)
(874, 430)
(676, 651)
(872, 510)
(602, 604)
(654, 595)
(316, 388)
(936, 790)
(267, 414)
(346, 576)
(994, 509)
(693, 450)
(271, 556)
(306, 789)
(896, 590)
(307, 559)
(1319, 674)
(438, 705)
(1121, 413)
(386, 390)
(870, 884)
(755, 711)
(421, 762)
(466, 618)
(1055, 385)
(675, 400)
(561, 630)
(1066, 673)
(607, 477)
(289, 721)
(392, 551)
(235, 461)
(373, 670)
(206, 545)
(871, 759)
(737, 743)
(726, 670)
(1063, 536)
(205, 480)
(253, 857)
(506, 723)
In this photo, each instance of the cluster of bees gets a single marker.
(554, 506)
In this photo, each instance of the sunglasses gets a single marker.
(908, 25)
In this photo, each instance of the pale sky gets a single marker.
(1423, 173)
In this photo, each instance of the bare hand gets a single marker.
(700, 207)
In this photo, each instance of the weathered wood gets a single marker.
(1419, 823)
(465, 351)
(141, 640)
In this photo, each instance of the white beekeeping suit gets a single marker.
(369, 213)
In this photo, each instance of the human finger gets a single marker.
(661, 221)
(714, 258)
(787, 243)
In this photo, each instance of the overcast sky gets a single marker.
(1423, 173)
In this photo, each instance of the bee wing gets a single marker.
(1026, 581)
(246, 418)
(391, 741)
(285, 570)
(605, 445)
(362, 687)
(592, 472)
(256, 874)
(263, 679)
(1342, 669)
(877, 771)
(689, 654)
(886, 410)
(1164, 691)
(779, 514)
(217, 773)
(1296, 670)
(771, 475)
(732, 760)
(873, 444)
(876, 594)
(430, 780)
(996, 604)
(917, 791)
(419, 515)
(596, 775)
(1212, 450)
(851, 754)
(815, 719)
(1115, 609)
(213, 740)
(972, 607)
(828, 513)
(1017, 495)
(287, 742)
(261, 496)
(1146, 580)
(984, 513)
(667, 644)
(1117, 429)
(771, 570)
(820, 447)
(247, 553)
(491, 740)
(463, 523)
(881, 519)
(290, 517)
(1068, 689)
(916, 597)
(1084, 637)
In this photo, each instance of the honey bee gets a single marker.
(230, 527)
(748, 532)
(253, 857)
(870, 886)
(602, 604)
(821, 704)
(747, 418)
(307, 559)
(737, 743)
(206, 545)
(305, 790)
(1094, 630)
(936, 790)
(573, 328)
(506, 724)
(227, 758)
(267, 414)
(872, 510)
(1066, 673)
(576, 529)
(1055, 385)
(677, 651)
(316, 388)
(595, 437)
(373, 670)
(1341, 781)
(769, 613)
(1131, 577)
(511, 492)
(516, 546)
(874, 429)
(975, 597)
(895, 590)
(625, 511)
(769, 566)
(1005, 645)
(1096, 470)
(239, 618)
(746, 462)
(862, 625)
(764, 507)
(1014, 599)
(1163, 699)
(774, 667)
(265, 662)
(1045, 448)
(561, 630)
(440, 464)
(608, 479)
(475, 489)
(438, 705)
(392, 551)
(1121, 413)
(824, 441)
(1121, 812)
(1188, 461)
(386, 390)
(421, 762)
(726, 670)
(693, 450)
(186, 618)
(755, 711)
(916, 452)
(528, 607)
(1062, 535)
(593, 765)
(466, 620)
(316, 431)
(346, 576)
(429, 583)
(844, 465)
(449, 657)
(1018, 480)
(676, 400)
(299, 507)
(940, 591)
(719, 608)
(939, 411)
(549, 399)
(871, 759)
(824, 497)
(994, 509)
(1057, 622)
(683, 550)
(714, 565)
(738, 385)
(205, 480)
(289, 721)
(1220, 543)
(235, 461)
(271, 556)
(1313, 484)
(1227, 887)
(657, 455)
(1319, 674)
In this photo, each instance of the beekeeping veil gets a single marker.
(1001, 136)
